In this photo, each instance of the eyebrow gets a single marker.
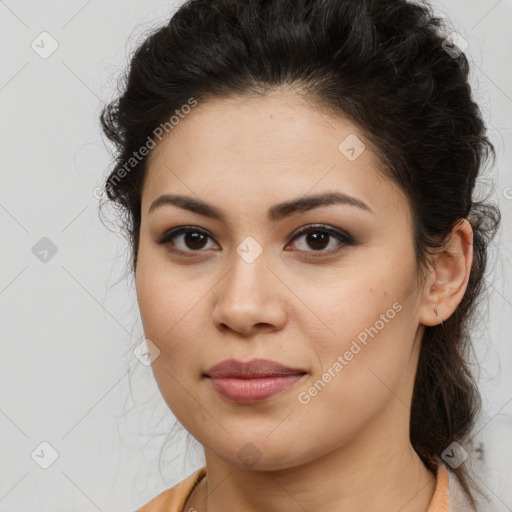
(275, 213)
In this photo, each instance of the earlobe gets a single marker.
(448, 280)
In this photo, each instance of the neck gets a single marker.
(375, 468)
(363, 476)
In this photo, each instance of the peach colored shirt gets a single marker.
(174, 499)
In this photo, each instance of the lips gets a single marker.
(253, 381)
(256, 368)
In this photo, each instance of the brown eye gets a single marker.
(185, 239)
(319, 237)
(194, 240)
(317, 241)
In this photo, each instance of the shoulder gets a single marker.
(173, 499)
(459, 501)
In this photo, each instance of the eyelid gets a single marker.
(335, 232)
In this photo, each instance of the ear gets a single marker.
(448, 280)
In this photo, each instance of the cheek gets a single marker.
(170, 320)
(354, 306)
(160, 313)
(174, 310)
(366, 334)
(355, 380)
(166, 299)
(378, 338)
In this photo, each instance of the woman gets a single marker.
(298, 178)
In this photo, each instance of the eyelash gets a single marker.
(344, 238)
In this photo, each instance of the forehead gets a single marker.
(284, 123)
(269, 147)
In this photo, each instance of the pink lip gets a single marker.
(253, 381)
(250, 391)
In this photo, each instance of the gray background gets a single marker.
(68, 324)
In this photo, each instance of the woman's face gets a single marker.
(339, 303)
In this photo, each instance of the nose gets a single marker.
(250, 299)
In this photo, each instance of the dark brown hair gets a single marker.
(385, 65)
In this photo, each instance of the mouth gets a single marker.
(252, 390)
(252, 382)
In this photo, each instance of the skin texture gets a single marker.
(348, 448)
